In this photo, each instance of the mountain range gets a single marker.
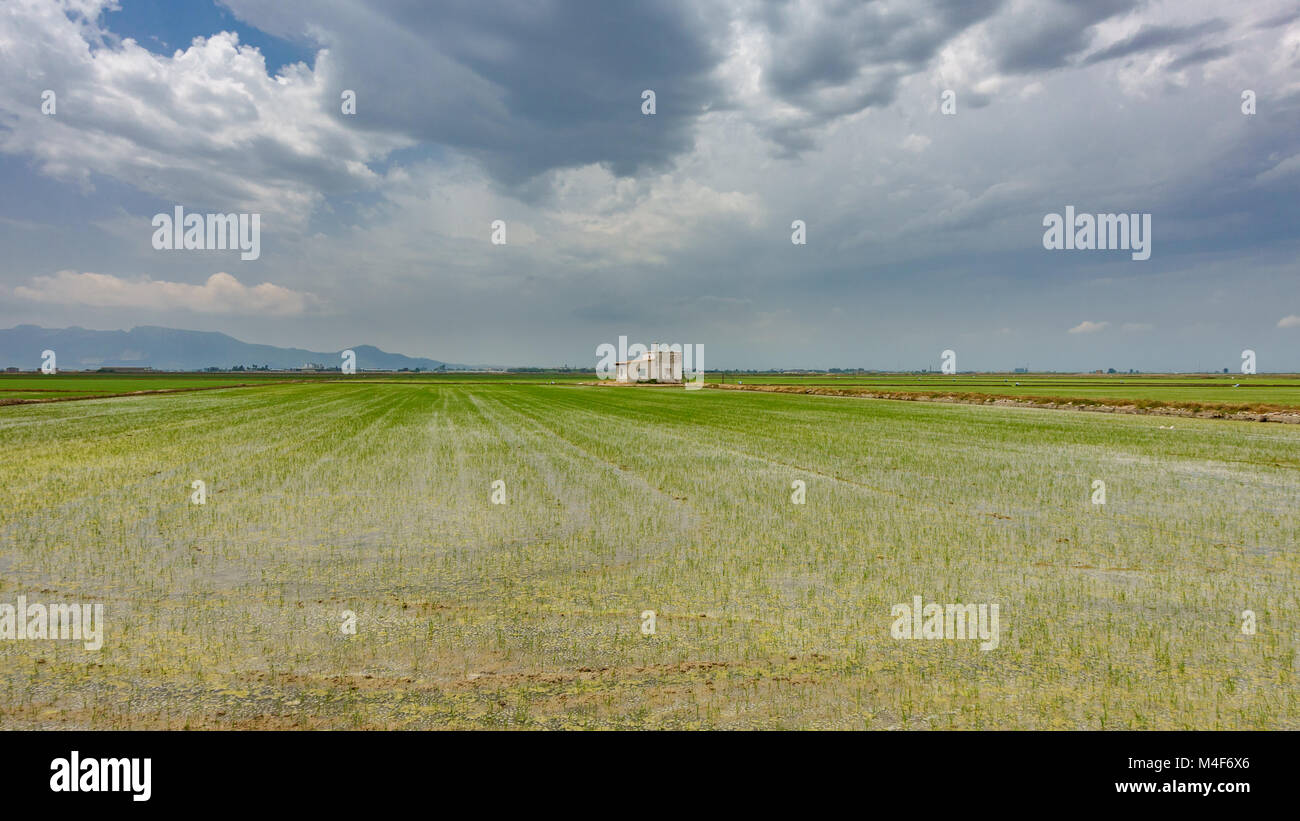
(171, 349)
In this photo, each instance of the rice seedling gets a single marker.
(518, 604)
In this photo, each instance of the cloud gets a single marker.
(1291, 321)
(221, 294)
(916, 143)
(1151, 37)
(207, 126)
(524, 88)
(1088, 327)
(1283, 19)
(1199, 56)
(1290, 165)
(1037, 35)
(821, 62)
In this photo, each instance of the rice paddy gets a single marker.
(371, 503)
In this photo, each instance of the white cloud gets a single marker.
(221, 294)
(1088, 327)
(1291, 321)
(916, 143)
(1288, 166)
(206, 126)
(646, 220)
(590, 219)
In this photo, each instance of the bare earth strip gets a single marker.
(1247, 412)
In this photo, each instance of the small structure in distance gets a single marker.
(659, 364)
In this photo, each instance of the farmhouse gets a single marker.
(659, 364)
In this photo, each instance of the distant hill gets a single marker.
(170, 349)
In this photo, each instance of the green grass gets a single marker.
(38, 387)
(30, 387)
(375, 497)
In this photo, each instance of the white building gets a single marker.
(655, 365)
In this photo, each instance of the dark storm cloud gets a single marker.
(524, 87)
(1201, 55)
(1279, 20)
(840, 59)
(1050, 33)
(1154, 37)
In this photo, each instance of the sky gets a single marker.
(922, 144)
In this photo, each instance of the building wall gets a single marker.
(662, 366)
